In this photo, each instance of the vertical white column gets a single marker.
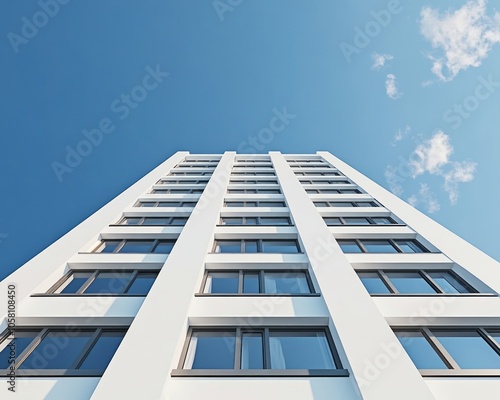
(141, 366)
(381, 367)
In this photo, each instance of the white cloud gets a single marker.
(459, 173)
(425, 197)
(401, 134)
(464, 37)
(379, 60)
(392, 178)
(431, 155)
(391, 87)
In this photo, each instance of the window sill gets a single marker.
(257, 295)
(87, 295)
(434, 295)
(20, 373)
(259, 373)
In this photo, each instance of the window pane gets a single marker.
(252, 351)
(169, 204)
(382, 221)
(420, 351)
(228, 246)
(109, 282)
(378, 246)
(340, 204)
(321, 204)
(234, 204)
(108, 246)
(447, 282)
(155, 221)
(409, 246)
(74, 282)
(57, 350)
(103, 351)
(21, 341)
(274, 221)
(250, 204)
(330, 221)
(349, 246)
(142, 283)
(366, 204)
(271, 204)
(211, 350)
(300, 350)
(356, 221)
(410, 282)
(136, 246)
(251, 221)
(222, 282)
(373, 283)
(188, 204)
(147, 204)
(232, 221)
(164, 246)
(178, 221)
(469, 349)
(279, 246)
(131, 221)
(250, 246)
(251, 283)
(286, 282)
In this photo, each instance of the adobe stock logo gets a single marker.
(31, 26)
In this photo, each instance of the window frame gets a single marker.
(339, 371)
(171, 218)
(258, 217)
(156, 203)
(261, 273)
(424, 273)
(260, 243)
(353, 203)
(370, 220)
(258, 202)
(135, 273)
(440, 350)
(393, 243)
(79, 360)
(156, 242)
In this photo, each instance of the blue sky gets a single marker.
(404, 91)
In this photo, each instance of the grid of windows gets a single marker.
(264, 203)
(251, 282)
(413, 282)
(98, 282)
(256, 246)
(162, 246)
(334, 221)
(381, 246)
(75, 351)
(261, 351)
(345, 204)
(253, 220)
(443, 351)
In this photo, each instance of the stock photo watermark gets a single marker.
(280, 120)
(363, 36)
(121, 106)
(222, 7)
(30, 27)
(11, 326)
(458, 112)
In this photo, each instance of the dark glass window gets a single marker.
(75, 282)
(164, 246)
(349, 246)
(251, 283)
(378, 246)
(420, 350)
(21, 341)
(109, 246)
(252, 356)
(330, 221)
(222, 282)
(211, 350)
(280, 246)
(410, 282)
(110, 282)
(142, 283)
(136, 246)
(286, 282)
(102, 351)
(373, 283)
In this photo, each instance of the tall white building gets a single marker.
(253, 277)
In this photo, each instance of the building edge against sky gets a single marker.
(381, 293)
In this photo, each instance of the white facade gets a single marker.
(419, 280)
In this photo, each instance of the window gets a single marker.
(260, 352)
(257, 246)
(253, 181)
(345, 204)
(334, 221)
(183, 173)
(271, 221)
(453, 350)
(381, 246)
(413, 282)
(166, 204)
(170, 181)
(105, 282)
(163, 246)
(254, 204)
(332, 173)
(177, 191)
(154, 221)
(71, 351)
(238, 173)
(252, 282)
(324, 182)
(333, 191)
(254, 191)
